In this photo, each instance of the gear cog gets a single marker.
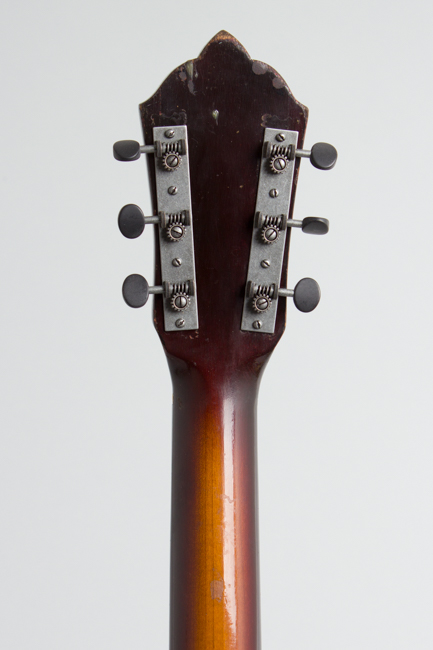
(171, 161)
(175, 231)
(279, 163)
(180, 301)
(261, 303)
(270, 234)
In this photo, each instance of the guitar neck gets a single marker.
(214, 545)
(225, 137)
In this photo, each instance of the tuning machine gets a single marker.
(280, 153)
(177, 297)
(132, 222)
(270, 227)
(306, 295)
(175, 226)
(167, 149)
(271, 224)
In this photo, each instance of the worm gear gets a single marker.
(261, 303)
(180, 301)
(278, 163)
(171, 161)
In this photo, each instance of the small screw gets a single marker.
(177, 232)
(271, 234)
(257, 324)
(177, 261)
(280, 164)
(273, 193)
(169, 133)
(180, 322)
(172, 189)
(180, 302)
(172, 161)
(280, 137)
(265, 264)
(262, 304)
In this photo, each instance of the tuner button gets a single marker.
(315, 226)
(126, 150)
(135, 290)
(306, 295)
(323, 155)
(131, 221)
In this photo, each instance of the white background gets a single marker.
(345, 426)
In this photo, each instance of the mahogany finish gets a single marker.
(226, 99)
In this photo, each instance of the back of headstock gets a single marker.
(230, 105)
(225, 138)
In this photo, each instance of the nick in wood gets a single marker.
(224, 139)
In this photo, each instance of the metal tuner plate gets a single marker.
(269, 230)
(176, 239)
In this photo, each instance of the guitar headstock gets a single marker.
(225, 137)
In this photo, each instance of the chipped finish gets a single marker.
(217, 590)
(216, 370)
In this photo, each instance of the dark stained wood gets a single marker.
(216, 370)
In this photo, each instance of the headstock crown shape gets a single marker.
(223, 192)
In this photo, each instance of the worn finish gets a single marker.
(226, 99)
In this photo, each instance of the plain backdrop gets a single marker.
(345, 423)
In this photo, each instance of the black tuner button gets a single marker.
(323, 155)
(315, 226)
(126, 150)
(131, 221)
(135, 290)
(306, 295)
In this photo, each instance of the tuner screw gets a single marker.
(171, 161)
(180, 301)
(180, 323)
(169, 133)
(265, 264)
(278, 163)
(175, 232)
(273, 193)
(261, 303)
(270, 234)
(177, 261)
(280, 137)
(257, 324)
(172, 190)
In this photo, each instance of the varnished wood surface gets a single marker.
(226, 99)
(214, 572)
